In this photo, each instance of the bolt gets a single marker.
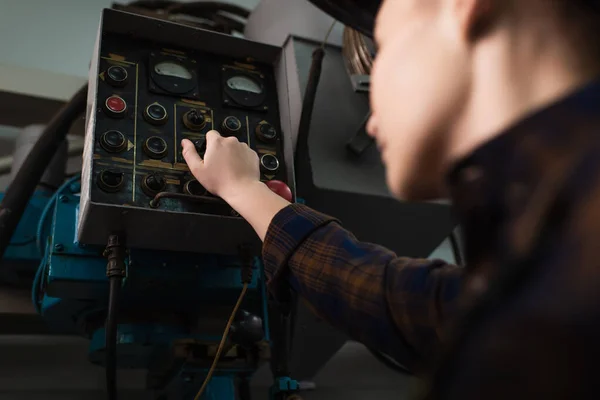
(59, 247)
(63, 199)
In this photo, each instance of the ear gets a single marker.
(473, 16)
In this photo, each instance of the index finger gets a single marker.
(191, 156)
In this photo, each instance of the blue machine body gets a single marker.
(172, 304)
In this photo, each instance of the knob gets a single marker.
(194, 188)
(194, 120)
(269, 163)
(247, 329)
(153, 183)
(115, 106)
(155, 147)
(113, 141)
(231, 126)
(116, 76)
(110, 180)
(280, 189)
(265, 132)
(200, 145)
(156, 114)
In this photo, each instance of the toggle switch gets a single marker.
(265, 132)
(231, 126)
(194, 120)
(110, 180)
(153, 183)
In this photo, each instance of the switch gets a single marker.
(280, 188)
(153, 183)
(110, 180)
(116, 76)
(113, 141)
(156, 114)
(194, 120)
(155, 147)
(265, 132)
(231, 126)
(269, 163)
(115, 106)
(200, 145)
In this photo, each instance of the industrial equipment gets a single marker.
(135, 253)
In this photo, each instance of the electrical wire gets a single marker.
(111, 336)
(222, 344)
(19, 193)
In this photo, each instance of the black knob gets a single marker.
(116, 76)
(155, 147)
(269, 163)
(194, 188)
(110, 180)
(200, 145)
(265, 132)
(153, 183)
(231, 126)
(156, 114)
(247, 329)
(113, 141)
(194, 120)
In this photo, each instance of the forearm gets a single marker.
(257, 204)
(397, 305)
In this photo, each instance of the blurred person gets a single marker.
(496, 105)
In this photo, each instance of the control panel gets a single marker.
(147, 97)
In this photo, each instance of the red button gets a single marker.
(116, 104)
(281, 189)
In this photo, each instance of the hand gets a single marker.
(229, 166)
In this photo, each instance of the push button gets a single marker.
(280, 188)
(231, 126)
(115, 106)
(269, 163)
(265, 132)
(156, 114)
(194, 188)
(116, 76)
(113, 141)
(155, 147)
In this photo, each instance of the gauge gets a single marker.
(173, 69)
(244, 83)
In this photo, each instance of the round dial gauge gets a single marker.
(169, 68)
(244, 83)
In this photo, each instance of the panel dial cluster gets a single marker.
(151, 100)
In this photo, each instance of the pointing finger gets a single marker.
(193, 160)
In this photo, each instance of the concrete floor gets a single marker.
(53, 368)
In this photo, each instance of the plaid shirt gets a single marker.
(530, 194)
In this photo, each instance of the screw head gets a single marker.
(59, 247)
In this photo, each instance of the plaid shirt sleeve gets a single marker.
(395, 305)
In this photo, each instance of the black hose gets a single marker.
(19, 193)
(456, 249)
(389, 362)
(111, 336)
(303, 165)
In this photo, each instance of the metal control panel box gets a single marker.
(152, 84)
